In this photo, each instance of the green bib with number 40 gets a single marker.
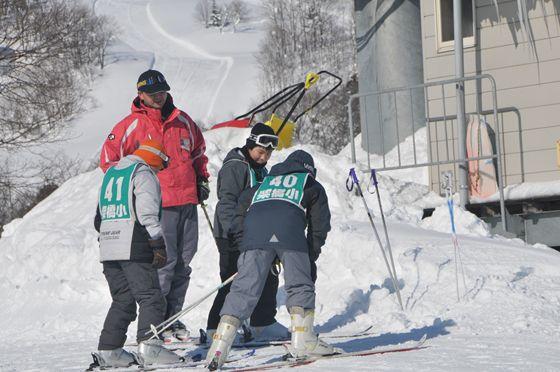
(288, 188)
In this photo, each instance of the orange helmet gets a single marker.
(152, 153)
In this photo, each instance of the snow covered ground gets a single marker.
(54, 296)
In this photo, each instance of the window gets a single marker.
(444, 24)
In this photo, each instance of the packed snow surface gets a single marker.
(54, 295)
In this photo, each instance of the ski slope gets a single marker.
(54, 296)
(212, 76)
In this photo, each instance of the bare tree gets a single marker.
(20, 191)
(105, 34)
(48, 49)
(225, 18)
(45, 46)
(239, 12)
(202, 12)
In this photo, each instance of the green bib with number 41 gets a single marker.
(117, 214)
(287, 187)
(116, 194)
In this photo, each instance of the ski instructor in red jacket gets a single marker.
(184, 183)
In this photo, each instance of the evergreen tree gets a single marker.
(215, 15)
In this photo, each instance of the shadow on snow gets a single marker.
(436, 329)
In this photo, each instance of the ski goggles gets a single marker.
(265, 140)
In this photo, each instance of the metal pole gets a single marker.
(503, 210)
(351, 124)
(460, 97)
(166, 323)
(203, 206)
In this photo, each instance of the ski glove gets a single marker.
(202, 189)
(160, 256)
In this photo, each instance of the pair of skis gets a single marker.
(286, 362)
(352, 181)
(202, 340)
(292, 363)
(195, 361)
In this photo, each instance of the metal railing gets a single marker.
(443, 137)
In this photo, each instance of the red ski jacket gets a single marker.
(182, 141)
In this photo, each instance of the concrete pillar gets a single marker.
(389, 45)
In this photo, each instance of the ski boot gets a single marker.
(112, 358)
(305, 342)
(222, 341)
(207, 337)
(180, 331)
(167, 336)
(272, 332)
(177, 332)
(153, 352)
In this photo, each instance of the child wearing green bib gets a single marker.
(286, 216)
(243, 168)
(131, 251)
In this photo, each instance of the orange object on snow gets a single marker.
(239, 123)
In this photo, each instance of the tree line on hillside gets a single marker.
(311, 35)
(301, 36)
(224, 13)
(49, 51)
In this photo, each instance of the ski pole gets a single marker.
(203, 206)
(454, 240)
(387, 241)
(447, 184)
(350, 182)
(165, 324)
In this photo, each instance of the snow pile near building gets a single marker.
(465, 222)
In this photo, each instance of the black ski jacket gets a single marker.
(255, 225)
(233, 178)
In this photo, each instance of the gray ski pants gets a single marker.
(253, 267)
(130, 283)
(180, 233)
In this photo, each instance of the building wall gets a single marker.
(527, 80)
(389, 50)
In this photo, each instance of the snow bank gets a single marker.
(465, 222)
(526, 190)
(50, 274)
